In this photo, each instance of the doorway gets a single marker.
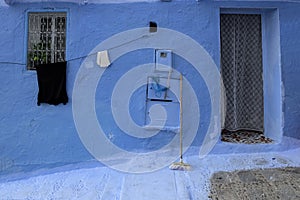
(242, 74)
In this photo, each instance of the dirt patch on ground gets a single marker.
(270, 184)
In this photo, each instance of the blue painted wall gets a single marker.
(290, 50)
(32, 136)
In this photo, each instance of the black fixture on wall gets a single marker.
(152, 27)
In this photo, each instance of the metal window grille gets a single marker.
(46, 38)
(241, 59)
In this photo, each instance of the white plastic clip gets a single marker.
(103, 59)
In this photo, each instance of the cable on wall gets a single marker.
(85, 56)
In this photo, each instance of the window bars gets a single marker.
(46, 38)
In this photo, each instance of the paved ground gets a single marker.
(279, 183)
(91, 181)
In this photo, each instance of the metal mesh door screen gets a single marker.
(241, 68)
(46, 38)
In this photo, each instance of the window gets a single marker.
(46, 38)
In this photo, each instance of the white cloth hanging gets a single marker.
(103, 58)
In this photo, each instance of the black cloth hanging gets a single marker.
(52, 83)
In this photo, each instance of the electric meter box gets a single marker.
(163, 60)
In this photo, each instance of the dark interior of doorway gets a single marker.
(242, 74)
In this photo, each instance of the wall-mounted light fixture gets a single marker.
(152, 27)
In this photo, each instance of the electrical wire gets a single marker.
(85, 56)
(112, 48)
(11, 63)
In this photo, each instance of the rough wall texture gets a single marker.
(290, 50)
(31, 136)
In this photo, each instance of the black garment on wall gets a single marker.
(52, 83)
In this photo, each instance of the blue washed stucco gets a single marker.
(290, 50)
(272, 75)
(32, 136)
